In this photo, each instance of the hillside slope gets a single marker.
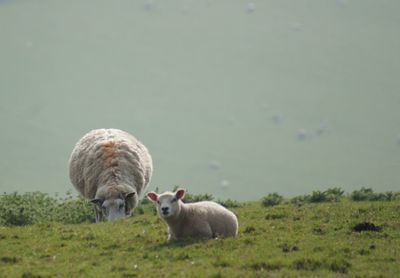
(280, 241)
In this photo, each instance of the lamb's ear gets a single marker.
(152, 196)
(130, 195)
(180, 193)
(97, 202)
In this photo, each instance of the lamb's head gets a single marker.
(168, 204)
(115, 206)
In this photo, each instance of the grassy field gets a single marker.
(291, 239)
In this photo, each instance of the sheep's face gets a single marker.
(167, 203)
(114, 208)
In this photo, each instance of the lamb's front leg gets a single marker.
(171, 236)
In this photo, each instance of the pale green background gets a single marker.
(199, 82)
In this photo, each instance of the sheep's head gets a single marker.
(167, 203)
(115, 207)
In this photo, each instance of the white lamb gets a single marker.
(201, 220)
(112, 169)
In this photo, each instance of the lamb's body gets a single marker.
(110, 164)
(202, 220)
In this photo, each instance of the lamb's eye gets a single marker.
(158, 202)
(173, 200)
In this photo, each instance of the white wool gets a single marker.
(111, 168)
(202, 220)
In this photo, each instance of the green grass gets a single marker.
(314, 239)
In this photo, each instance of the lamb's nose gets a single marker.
(164, 210)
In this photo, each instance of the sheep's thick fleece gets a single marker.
(108, 162)
(202, 220)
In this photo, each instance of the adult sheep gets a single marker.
(201, 220)
(112, 169)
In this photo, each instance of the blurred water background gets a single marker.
(235, 98)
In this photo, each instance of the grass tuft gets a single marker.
(307, 264)
(271, 200)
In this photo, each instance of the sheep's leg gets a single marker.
(99, 216)
(208, 233)
(170, 239)
(171, 236)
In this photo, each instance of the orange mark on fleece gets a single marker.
(108, 152)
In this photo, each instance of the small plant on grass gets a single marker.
(330, 195)
(36, 207)
(340, 266)
(191, 198)
(364, 194)
(271, 200)
(229, 203)
(306, 264)
(334, 194)
(367, 194)
(300, 200)
(318, 197)
(25, 209)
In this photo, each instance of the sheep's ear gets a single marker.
(130, 195)
(97, 202)
(180, 193)
(152, 196)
